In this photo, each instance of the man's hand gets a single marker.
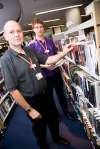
(34, 114)
(51, 60)
(49, 67)
(67, 49)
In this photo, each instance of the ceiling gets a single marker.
(24, 10)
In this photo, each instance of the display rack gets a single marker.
(89, 75)
(81, 26)
(6, 105)
(90, 117)
(89, 114)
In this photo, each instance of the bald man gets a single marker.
(25, 82)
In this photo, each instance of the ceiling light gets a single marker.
(83, 15)
(56, 26)
(58, 9)
(46, 21)
(27, 31)
(53, 20)
(1, 32)
(30, 24)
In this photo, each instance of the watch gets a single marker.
(28, 109)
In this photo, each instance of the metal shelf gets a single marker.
(9, 111)
(92, 77)
(3, 98)
(93, 136)
(81, 26)
(1, 81)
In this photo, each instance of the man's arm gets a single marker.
(51, 60)
(34, 114)
(55, 58)
(10, 78)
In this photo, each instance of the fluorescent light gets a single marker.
(27, 31)
(46, 21)
(56, 26)
(58, 9)
(1, 32)
(83, 15)
(53, 20)
(1, 43)
(30, 24)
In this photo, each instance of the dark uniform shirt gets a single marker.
(18, 74)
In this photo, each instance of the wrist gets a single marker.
(28, 109)
(62, 54)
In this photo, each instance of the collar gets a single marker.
(13, 51)
(45, 39)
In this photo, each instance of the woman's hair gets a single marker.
(37, 21)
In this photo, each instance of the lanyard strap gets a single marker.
(43, 46)
(29, 62)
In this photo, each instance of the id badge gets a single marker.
(39, 76)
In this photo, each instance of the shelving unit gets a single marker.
(93, 77)
(93, 22)
(89, 116)
(3, 98)
(1, 81)
(8, 111)
(81, 26)
(6, 101)
(6, 105)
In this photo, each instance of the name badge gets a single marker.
(39, 76)
(46, 51)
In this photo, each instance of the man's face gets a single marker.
(38, 29)
(13, 34)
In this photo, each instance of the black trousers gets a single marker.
(56, 82)
(48, 111)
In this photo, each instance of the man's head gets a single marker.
(13, 33)
(38, 27)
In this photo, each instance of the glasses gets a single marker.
(38, 27)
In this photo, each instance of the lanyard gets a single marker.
(32, 66)
(46, 51)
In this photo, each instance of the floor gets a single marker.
(19, 134)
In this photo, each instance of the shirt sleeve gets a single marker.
(41, 57)
(9, 74)
(55, 49)
(31, 44)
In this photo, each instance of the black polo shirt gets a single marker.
(18, 74)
